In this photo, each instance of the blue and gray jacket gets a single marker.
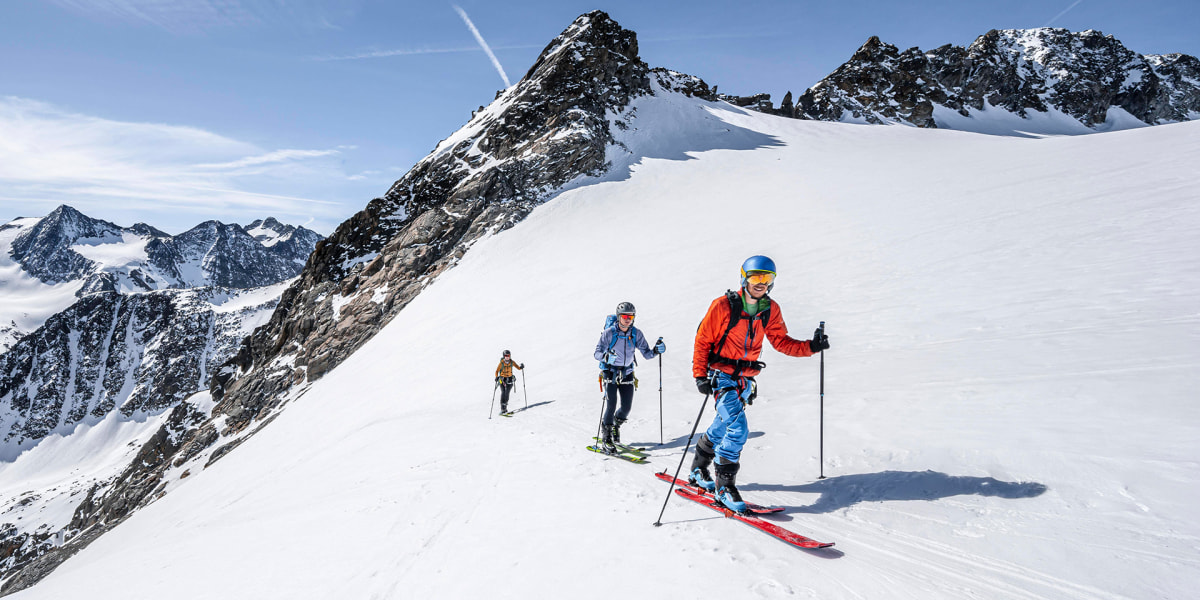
(615, 350)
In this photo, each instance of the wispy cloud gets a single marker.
(190, 16)
(49, 156)
(483, 44)
(1059, 15)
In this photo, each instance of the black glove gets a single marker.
(819, 342)
(521, 366)
(704, 385)
(497, 381)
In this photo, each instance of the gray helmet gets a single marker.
(626, 308)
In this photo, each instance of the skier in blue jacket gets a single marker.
(615, 351)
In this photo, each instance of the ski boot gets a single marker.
(616, 430)
(606, 442)
(699, 475)
(727, 493)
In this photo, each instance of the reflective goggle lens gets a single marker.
(760, 278)
(626, 317)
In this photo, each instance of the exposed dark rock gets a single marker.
(1083, 75)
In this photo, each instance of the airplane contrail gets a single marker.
(1056, 17)
(483, 44)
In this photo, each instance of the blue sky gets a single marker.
(172, 113)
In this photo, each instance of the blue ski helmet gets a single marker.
(758, 264)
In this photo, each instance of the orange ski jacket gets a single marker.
(744, 341)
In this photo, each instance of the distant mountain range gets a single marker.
(67, 245)
(1034, 79)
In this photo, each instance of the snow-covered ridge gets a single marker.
(1047, 80)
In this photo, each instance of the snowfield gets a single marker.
(1009, 397)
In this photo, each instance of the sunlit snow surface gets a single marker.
(1009, 411)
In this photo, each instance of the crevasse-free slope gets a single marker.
(1008, 413)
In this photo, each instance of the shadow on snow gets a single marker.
(847, 490)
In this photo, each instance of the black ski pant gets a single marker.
(506, 384)
(613, 390)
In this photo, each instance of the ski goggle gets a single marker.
(760, 278)
(625, 317)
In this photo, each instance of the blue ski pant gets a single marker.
(729, 430)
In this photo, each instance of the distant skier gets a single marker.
(615, 351)
(724, 363)
(506, 380)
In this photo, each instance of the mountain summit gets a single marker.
(553, 127)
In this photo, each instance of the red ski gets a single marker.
(768, 527)
(757, 509)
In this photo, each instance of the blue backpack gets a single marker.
(610, 321)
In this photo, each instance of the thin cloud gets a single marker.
(276, 157)
(1059, 15)
(483, 44)
(52, 156)
(192, 16)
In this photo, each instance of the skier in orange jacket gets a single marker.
(724, 363)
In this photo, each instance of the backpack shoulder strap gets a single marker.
(735, 314)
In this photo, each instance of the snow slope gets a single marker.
(1009, 407)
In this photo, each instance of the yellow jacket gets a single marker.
(504, 369)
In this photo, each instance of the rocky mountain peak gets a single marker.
(550, 128)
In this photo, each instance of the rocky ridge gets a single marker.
(1083, 75)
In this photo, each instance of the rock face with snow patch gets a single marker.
(1082, 75)
(136, 354)
(549, 129)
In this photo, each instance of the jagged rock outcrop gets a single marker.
(1083, 75)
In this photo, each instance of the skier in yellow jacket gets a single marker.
(505, 379)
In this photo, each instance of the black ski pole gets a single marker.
(658, 523)
(822, 459)
(660, 410)
(524, 391)
(494, 388)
